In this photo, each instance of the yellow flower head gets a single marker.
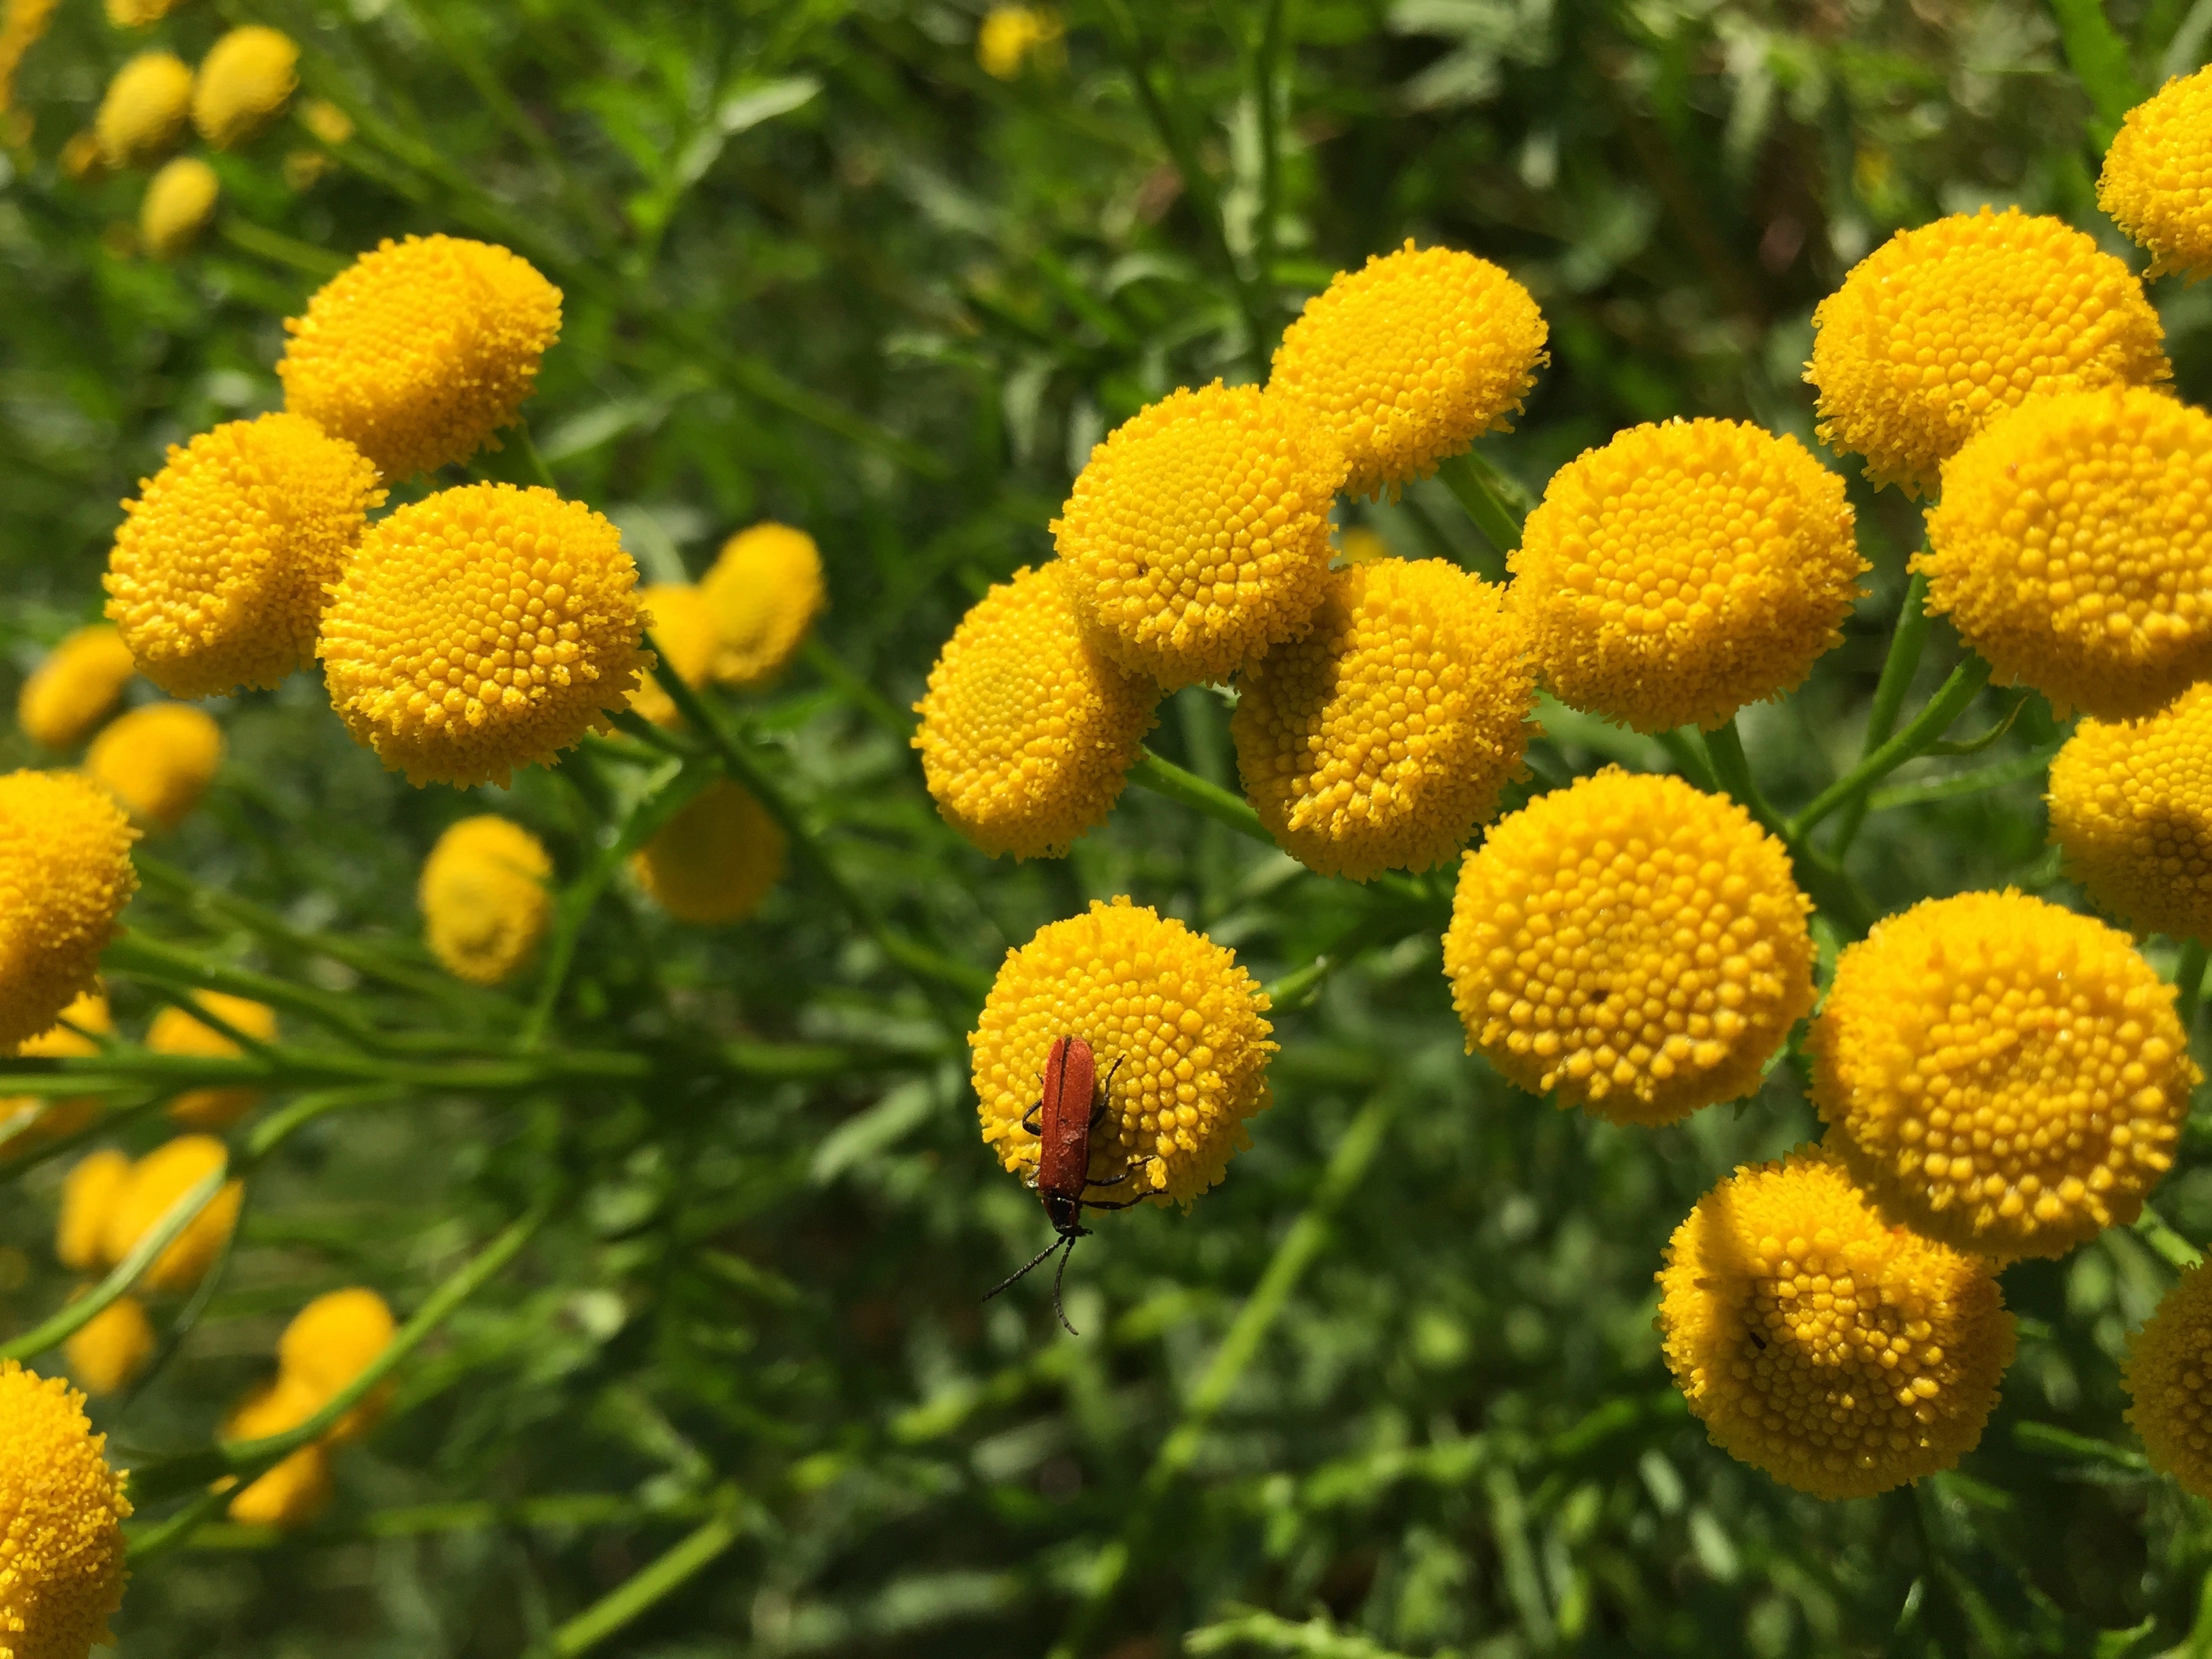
(81, 161)
(481, 629)
(1010, 35)
(71, 691)
(1197, 535)
(245, 81)
(1684, 570)
(1028, 731)
(715, 860)
(61, 1551)
(111, 1348)
(333, 1341)
(29, 1120)
(2132, 805)
(65, 875)
(416, 353)
(158, 1181)
(1410, 360)
(22, 23)
(1171, 1009)
(217, 576)
(88, 1195)
(765, 591)
(1380, 739)
(1633, 943)
(2168, 1376)
(2157, 181)
(1841, 1355)
(2002, 1074)
(137, 14)
(158, 761)
(687, 640)
(1941, 330)
(297, 1490)
(485, 907)
(325, 121)
(143, 114)
(2072, 548)
(176, 1031)
(180, 200)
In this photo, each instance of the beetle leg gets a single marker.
(1060, 1273)
(1099, 1110)
(1097, 1204)
(1010, 1278)
(1128, 1169)
(1033, 1128)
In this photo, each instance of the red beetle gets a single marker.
(1062, 1121)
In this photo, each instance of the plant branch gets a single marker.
(1964, 684)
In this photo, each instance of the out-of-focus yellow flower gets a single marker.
(2004, 1075)
(1197, 535)
(1028, 731)
(176, 1031)
(1184, 1023)
(484, 902)
(245, 81)
(1684, 570)
(65, 875)
(1841, 1355)
(482, 628)
(111, 1348)
(158, 761)
(1361, 545)
(89, 1193)
(415, 354)
(61, 1551)
(325, 121)
(2168, 1376)
(137, 14)
(687, 640)
(2132, 805)
(144, 112)
(297, 1490)
(179, 201)
(29, 1120)
(2157, 179)
(1012, 35)
(1633, 943)
(158, 1181)
(73, 690)
(1380, 739)
(714, 861)
(1942, 328)
(1409, 360)
(2073, 549)
(22, 23)
(81, 160)
(331, 1341)
(765, 591)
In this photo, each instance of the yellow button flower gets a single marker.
(1010, 35)
(1410, 360)
(2132, 805)
(2004, 1075)
(1684, 570)
(331, 1341)
(688, 641)
(28, 1122)
(217, 576)
(65, 875)
(110, 1349)
(89, 1192)
(179, 201)
(176, 1031)
(158, 761)
(1028, 731)
(485, 906)
(245, 81)
(68, 694)
(22, 24)
(765, 590)
(143, 113)
(1197, 535)
(61, 1551)
(2157, 181)
(1941, 330)
(481, 629)
(1839, 1354)
(1634, 944)
(2168, 1376)
(2073, 549)
(1380, 739)
(297, 1490)
(715, 860)
(1171, 1008)
(158, 1181)
(416, 353)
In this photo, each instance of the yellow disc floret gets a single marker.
(158, 761)
(62, 1510)
(1197, 535)
(297, 1490)
(416, 353)
(155, 1183)
(686, 641)
(65, 875)
(765, 590)
(333, 1341)
(1410, 360)
(2004, 1075)
(1380, 739)
(483, 628)
(2132, 805)
(715, 860)
(2157, 181)
(1941, 330)
(245, 81)
(2168, 1377)
(29, 1120)
(1631, 942)
(1684, 570)
(485, 904)
(1010, 35)
(143, 113)
(68, 694)
(88, 1195)
(1840, 1354)
(2073, 549)
(1028, 731)
(176, 1032)
(1168, 1007)
(179, 201)
(109, 1350)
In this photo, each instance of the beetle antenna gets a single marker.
(1060, 1275)
(1016, 1275)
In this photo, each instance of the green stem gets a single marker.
(1964, 684)
(1164, 777)
(1732, 769)
(1498, 505)
(650, 1584)
(136, 956)
(1686, 749)
(244, 235)
(857, 691)
(2189, 976)
(2176, 1251)
(1294, 989)
(1906, 641)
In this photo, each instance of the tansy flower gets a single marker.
(2157, 181)
(158, 761)
(325, 121)
(245, 81)
(1942, 328)
(1684, 570)
(416, 353)
(29, 1120)
(1633, 943)
(109, 1350)
(331, 1341)
(2132, 805)
(482, 628)
(2002, 1074)
(65, 875)
(71, 691)
(176, 1031)
(1010, 35)
(22, 23)
(1410, 360)
(2073, 549)
(1178, 1031)
(1197, 535)
(714, 861)
(484, 902)
(88, 1195)
(1380, 739)
(765, 590)
(1841, 1355)
(297, 1490)
(687, 641)
(61, 1551)
(143, 113)
(158, 1181)
(1028, 731)
(2168, 1376)
(179, 202)
(217, 576)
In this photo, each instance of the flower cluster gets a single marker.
(2169, 1377)
(65, 875)
(61, 1551)
(484, 900)
(244, 83)
(2132, 805)
(685, 640)
(65, 697)
(157, 762)
(764, 592)
(109, 1204)
(143, 114)
(714, 861)
(2157, 179)
(329, 1343)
